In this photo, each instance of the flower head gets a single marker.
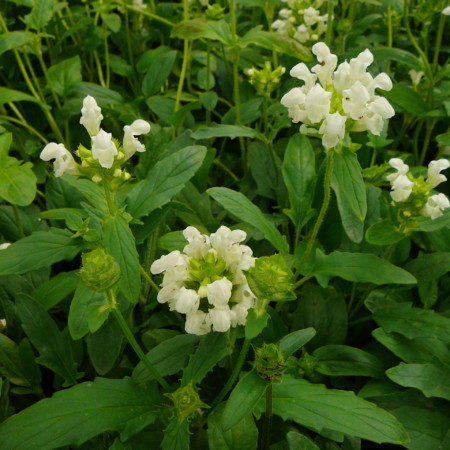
(434, 168)
(64, 162)
(344, 97)
(91, 115)
(435, 205)
(206, 281)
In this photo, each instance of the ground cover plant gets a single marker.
(225, 224)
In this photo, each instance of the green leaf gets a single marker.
(17, 182)
(348, 184)
(91, 191)
(212, 348)
(431, 378)
(243, 399)
(316, 407)
(41, 14)
(242, 436)
(223, 130)
(299, 174)
(398, 55)
(40, 249)
(239, 205)
(112, 21)
(404, 98)
(176, 435)
(429, 266)
(201, 28)
(10, 95)
(159, 66)
(418, 350)
(105, 97)
(165, 180)
(174, 240)
(358, 267)
(413, 322)
(297, 441)
(84, 309)
(55, 350)
(208, 100)
(277, 42)
(11, 364)
(383, 233)
(14, 39)
(64, 75)
(75, 415)
(255, 323)
(292, 342)
(119, 242)
(50, 293)
(168, 358)
(342, 360)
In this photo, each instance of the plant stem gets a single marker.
(148, 278)
(110, 198)
(234, 374)
(268, 418)
(152, 16)
(437, 46)
(329, 33)
(324, 208)
(389, 38)
(132, 341)
(185, 59)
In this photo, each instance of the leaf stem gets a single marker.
(148, 278)
(267, 419)
(132, 341)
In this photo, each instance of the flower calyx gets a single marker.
(269, 363)
(186, 401)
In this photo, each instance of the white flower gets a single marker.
(332, 129)
(311, 16)
(446, 11)
(302, 72)
(64, 162)
(198, 323)
(416, 76)
(401, 188)
(220, 318)
(104, 149)
(139, 4)
(131, 144)
(355, 101)
(219, 292)
(5, 245)
(435, 205)
(186, 300)
(317, 103)
(206, 281)
(327, 61)
(434, 169)
(91, 115)
(400, 166)
(166, 262)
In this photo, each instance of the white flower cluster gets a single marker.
(103, 147)
(403, 184)
(206, 281)
(301, 20)
(343, 100)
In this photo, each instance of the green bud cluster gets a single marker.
(99, 270)
(206, 271)
(215, 12)
(186, 401)
(269, 362)
(266, 79)
(270, 279)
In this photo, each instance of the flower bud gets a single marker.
(269, 362)
(186, 401)
(99, 271)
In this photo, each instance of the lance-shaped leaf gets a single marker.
(292, 342)
(120, 244)
(348, 184)
(316, 407)
(243, 399)
(75, 415)
(299, 174)
(176, 435)
(165, 180)
(431, 378)
(212, 348)
(40, 249)
(55, 350)
(358, 267)
(239, 205)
